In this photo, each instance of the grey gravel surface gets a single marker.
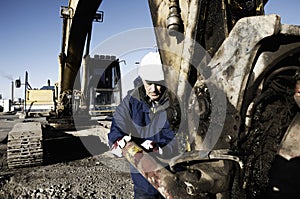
(100, 176)
(87, 178)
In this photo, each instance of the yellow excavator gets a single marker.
(235, 72)
(79, 95)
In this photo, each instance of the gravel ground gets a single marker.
(86, 178)
(100, 176)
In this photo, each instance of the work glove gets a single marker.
(151, 146)
(117, 147)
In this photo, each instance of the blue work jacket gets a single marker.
(142, 120)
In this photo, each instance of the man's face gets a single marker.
(153, 90)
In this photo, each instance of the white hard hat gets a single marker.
(151, 67)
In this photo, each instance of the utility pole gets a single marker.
(12, 91)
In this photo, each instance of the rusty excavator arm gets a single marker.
(213, 52)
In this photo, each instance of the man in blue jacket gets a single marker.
(146, 117)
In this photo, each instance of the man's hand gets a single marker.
(151, 146)
(117, 147)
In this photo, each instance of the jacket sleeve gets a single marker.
(120, 122)
(168, 143)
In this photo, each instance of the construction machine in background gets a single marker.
(39, 102)
(76, 95)
(81, 92)
(235, 72)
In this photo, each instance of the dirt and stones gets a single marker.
(99, 176)
(86, 178)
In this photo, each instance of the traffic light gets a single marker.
(18, 83)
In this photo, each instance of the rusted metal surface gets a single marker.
(290, 144)
(237, 64)
(160, 177)
(232, 63)
(297, 93)
(204, 23)
(195, 182)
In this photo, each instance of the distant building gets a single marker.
(6, 105)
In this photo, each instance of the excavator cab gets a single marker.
(102, 76)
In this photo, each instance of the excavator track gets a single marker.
(24, 147)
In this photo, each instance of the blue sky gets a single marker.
(30, 34)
